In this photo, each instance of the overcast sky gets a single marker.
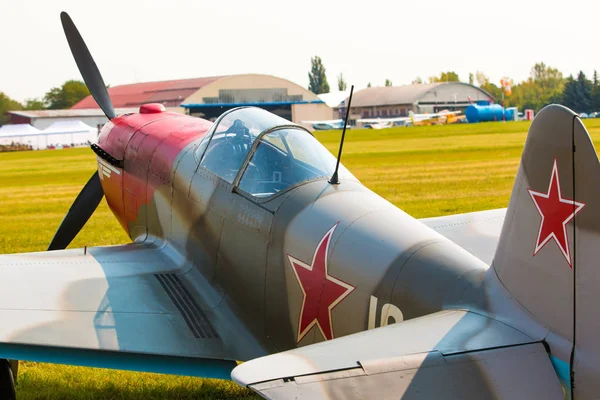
(367, 41)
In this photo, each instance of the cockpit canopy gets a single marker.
(263, 154)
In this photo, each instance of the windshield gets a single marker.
(284, 158)
(233, 136)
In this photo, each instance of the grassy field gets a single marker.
(426, 171)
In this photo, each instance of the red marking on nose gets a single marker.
(149, 144)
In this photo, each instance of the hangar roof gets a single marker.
(406, 94)
(169, 93)
(389, 95)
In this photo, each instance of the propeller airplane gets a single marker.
(441, 118)
(249, 245)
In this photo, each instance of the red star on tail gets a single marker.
(556, 213)
(322, 292)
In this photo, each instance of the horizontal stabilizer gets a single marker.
(477, 232)
(450, 354)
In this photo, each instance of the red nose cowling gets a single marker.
(148, 143)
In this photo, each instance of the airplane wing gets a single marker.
(123, 307)
(476, 232)
(450, 354)
(423, 117)
(446, 112)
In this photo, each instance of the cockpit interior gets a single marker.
(272, 153)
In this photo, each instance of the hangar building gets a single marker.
(397, 101)
(210, 97)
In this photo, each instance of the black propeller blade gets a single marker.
(87, 67)
(82, 209)
(90, 196)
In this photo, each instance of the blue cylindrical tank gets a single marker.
(509, 113)
(477, 113)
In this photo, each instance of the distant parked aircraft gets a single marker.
(326, 125)
(443, 117)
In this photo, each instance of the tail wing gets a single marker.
(477, 232)
(450, 354)
(549, 246)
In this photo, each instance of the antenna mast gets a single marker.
(334, 178)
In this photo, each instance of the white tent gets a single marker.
(17, 130)
(17, 133)
(68, 133)
(59, 134)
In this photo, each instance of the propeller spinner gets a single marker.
(90, 196)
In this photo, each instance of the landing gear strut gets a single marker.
(7, 381)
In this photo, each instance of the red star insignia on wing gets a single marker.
(321, 291)
(556, 213)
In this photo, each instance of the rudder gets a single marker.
(550, 243)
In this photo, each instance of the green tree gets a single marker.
(369, 84)
(595, 93)
(544, 86)
(342, 85)
(7, 104)
(493, 89)
(66, 96)
(449, 76)
(388, 82)
(549, 79)
(34, 104)
(481, 78)
(417, 81)
(585, 87)
(317, 80)
(569, 94)
(471, 78)
(577, 93)
(484, 82)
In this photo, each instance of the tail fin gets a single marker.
(548, 255)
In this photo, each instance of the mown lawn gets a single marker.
(426, 171)
(438, 170)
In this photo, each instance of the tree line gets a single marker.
(545, 85)
(57, 98)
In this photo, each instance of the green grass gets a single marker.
(426, 171)
(438, 170)
(49, 381)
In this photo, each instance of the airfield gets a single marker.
(426, 171)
